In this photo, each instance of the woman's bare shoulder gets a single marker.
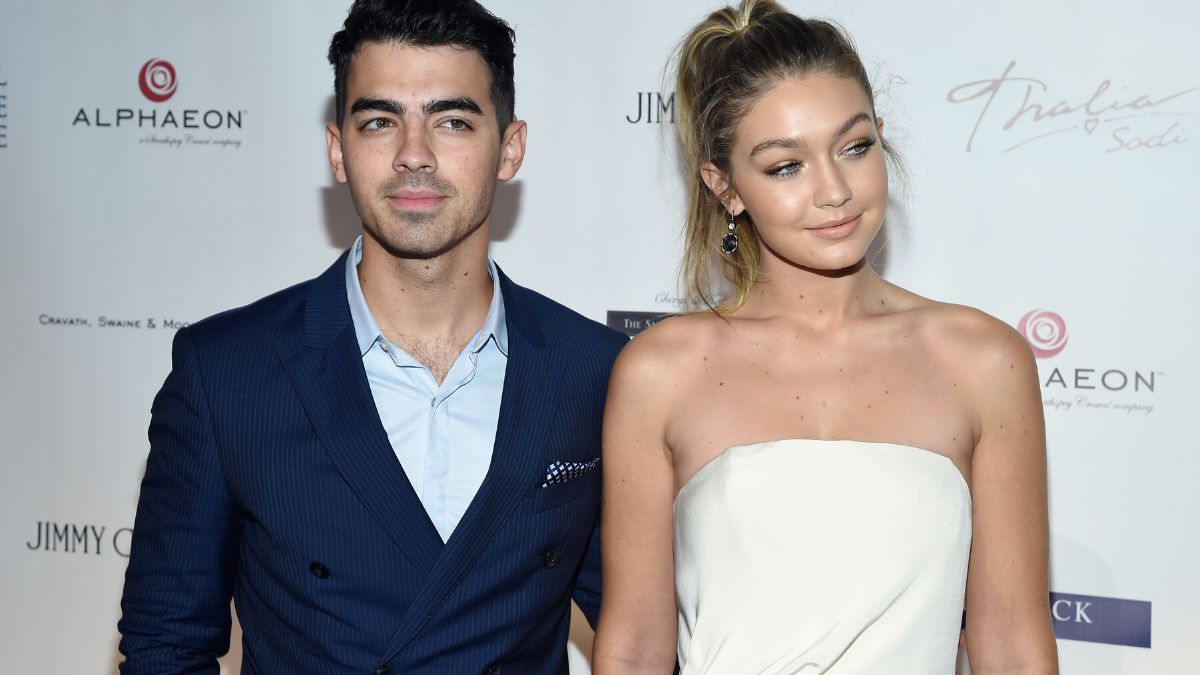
(673, 340)
(978, 349)
(661, 357)
(653, 376)
(959, 329)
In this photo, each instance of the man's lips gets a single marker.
(420, 199)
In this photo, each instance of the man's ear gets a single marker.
(333, 142)
(718, 183)
(512, 149)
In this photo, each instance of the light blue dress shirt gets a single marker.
(442, 434)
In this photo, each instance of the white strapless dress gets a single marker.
(807, 556)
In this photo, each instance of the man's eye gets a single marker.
(377, 123)
(455, 124)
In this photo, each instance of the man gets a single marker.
(392, 468)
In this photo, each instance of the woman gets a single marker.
(793, 478)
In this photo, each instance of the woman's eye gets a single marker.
(785, 169)
(860, 147)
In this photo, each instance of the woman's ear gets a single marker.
(718, 183)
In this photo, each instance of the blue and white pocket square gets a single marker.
(561, 472)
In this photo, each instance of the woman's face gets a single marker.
(807, 165)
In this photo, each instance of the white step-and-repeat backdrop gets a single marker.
(160, 162)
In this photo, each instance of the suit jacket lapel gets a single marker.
(328, 375)
(530, 383)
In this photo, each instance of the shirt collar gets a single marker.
(368, 333)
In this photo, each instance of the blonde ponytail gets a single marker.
(724, 65)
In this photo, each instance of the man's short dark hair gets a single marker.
(428, 23)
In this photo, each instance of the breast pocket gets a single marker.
(553, 496)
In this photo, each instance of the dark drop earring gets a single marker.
(729, 242)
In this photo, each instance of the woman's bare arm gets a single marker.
(637, 627)
(1008, 614)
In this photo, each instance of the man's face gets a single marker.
(420, 148)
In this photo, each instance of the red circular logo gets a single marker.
(157, 80)
(1045, 331)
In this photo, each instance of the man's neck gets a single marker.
(430, 307)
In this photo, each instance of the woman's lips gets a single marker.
(837, 229)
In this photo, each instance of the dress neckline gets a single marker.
(734, 449)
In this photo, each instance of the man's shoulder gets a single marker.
(565, 325)
(275, 317)
(274, 310)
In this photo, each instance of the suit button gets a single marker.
(383, 670)
(321, 572)
(550, 559)
(494, 670)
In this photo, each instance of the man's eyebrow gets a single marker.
(462, 104)
(793, 143)
(439, 105)
(386, 105)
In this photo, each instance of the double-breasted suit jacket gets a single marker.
(271, 480)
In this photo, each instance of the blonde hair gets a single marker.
(725, 64)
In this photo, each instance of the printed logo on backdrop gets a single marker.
(79, 539)
(157, 80)
(653, 107)
(669, 298)
(155, 123)
(1045, 331)
(1021, 108)
(105, 322)
(1068, 387)
(632, 323)
(3, 111)
(1093, 618)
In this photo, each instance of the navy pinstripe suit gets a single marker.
(270, 479)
